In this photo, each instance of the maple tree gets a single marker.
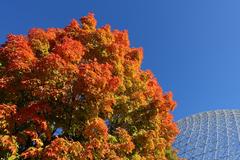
(80, 93)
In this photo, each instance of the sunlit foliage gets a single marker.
(80, 93)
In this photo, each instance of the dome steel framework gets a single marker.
(213, 135)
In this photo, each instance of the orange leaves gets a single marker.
(52, 78)
(169, 129)
(96, 129)
(63, 149)
(31, 152)
(73, 27)
(88, 82)
(50, 62)
(133, 60)
(8, 146)
(114, 83)
(70, 50)
(7, 111)
(53, 65)
(6, 117)
(31, 133)
(169, 103)
(89, 22)
(41, 35)
(16, 54)
(96, 79)
(58, 149)
(96, 132)
(135, 54)
(121, 38)
(125, 145)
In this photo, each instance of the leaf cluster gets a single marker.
(79, 93)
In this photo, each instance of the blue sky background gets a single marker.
(192, 46)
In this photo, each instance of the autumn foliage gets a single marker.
(79, 93)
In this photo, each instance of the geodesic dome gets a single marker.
(213, 135)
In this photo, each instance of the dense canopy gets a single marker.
(79, 93)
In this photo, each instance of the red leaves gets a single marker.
(36, 114)
(33, 112)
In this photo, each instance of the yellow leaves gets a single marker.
(118, 68)
(150, 143)
(6, 117)
(128, 83)
(76, 150)
(104, 36)
(112, 139)
(40, 40)
(38, 142)
(31, 152)
(39, 47)
(9, 145)
(136, 156)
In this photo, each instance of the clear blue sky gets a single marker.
(192, 46)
